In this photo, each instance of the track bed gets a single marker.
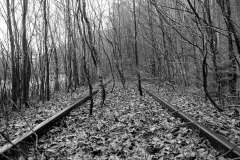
(127, 127)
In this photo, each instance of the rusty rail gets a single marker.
(10, 149)
(219, 142)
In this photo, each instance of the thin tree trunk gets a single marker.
(226, 10)
(84, 63)
(14, 80)
(47, 88)
(69, 46)
(56, 69)
(25, 72)
(17, 53)
(204, 72)
(75, 63)
(42, 73)
(232, 66)
(94, 54)
(153, 40)
(136, 49)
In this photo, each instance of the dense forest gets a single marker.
(49, 46)
(70, 48)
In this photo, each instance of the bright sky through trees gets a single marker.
(94, 7)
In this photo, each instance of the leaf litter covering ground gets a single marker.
(25, 120)
(227, 124)
(129, 127)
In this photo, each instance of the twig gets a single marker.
(31, 127)
(9, 141)
(6, 156)
(228, 152)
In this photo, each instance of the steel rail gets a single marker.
(10, 149)
(219, 142)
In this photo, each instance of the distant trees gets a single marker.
(175, 37)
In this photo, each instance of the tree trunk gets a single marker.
(94, 54)
(213, 44)
(75, 63)
(153, 41)
(232, 67)
(205, 74)
(69, 47)
(56, 69)
(84, 63)
(14, 79)
(17, 53)
(136, 49)
(47, 81)
(25, 59)
(232, 32)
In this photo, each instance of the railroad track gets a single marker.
(15, 147)
(219, 142)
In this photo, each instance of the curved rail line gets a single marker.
(218, 142)
(12, 147)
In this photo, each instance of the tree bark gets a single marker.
(13, 60)
(25, 57)
(47, 81)
(84, 63)
(136, 49)
(56, 67)
(69, 47)
(232, 32)
(94, 54)
(213, 45)
(17, 52)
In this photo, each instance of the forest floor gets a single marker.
(225, 123)
(127, 127)
(18, 123)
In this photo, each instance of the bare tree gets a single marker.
(13, 60)
(232, 34)
(47, 81)
(84, 63)
(56, 59)
(94, 54)
(26, 70)
(136, 48)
